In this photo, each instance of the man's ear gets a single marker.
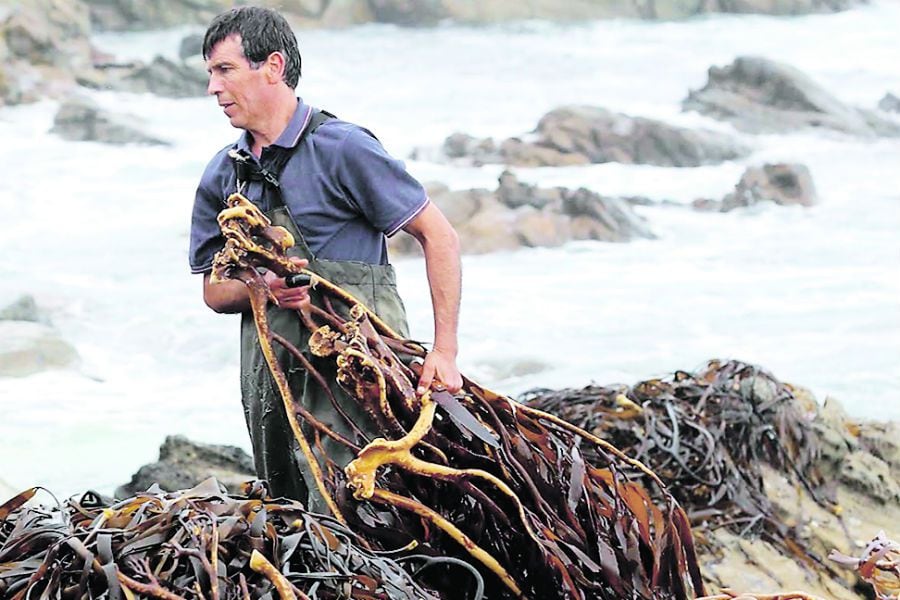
(275, 64)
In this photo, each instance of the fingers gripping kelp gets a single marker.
(500, 485)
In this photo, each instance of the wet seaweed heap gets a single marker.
(476, 477)
(199, 543)
(706, 435)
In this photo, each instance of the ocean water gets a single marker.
(98, 234)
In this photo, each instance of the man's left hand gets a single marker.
(440, 366)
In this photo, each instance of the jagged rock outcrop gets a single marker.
(44, 46)
(518, 215)
(574, 135)
(183, 463)
(783, 184)
(759, 95)
(80, 119)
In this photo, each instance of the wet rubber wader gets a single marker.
(276, 453)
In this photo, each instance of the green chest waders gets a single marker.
(276, 453)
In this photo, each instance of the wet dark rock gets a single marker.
(783, 184)
(81, 119)
(759, 95)
(183, 463)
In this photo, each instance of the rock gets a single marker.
(183, 463)
(24, 309)
(869, 474)
(759, 95)
(882, 440)
(408, 12)
(44, 45)
(783, 184)
(121, 15)
(27, 347)
(81, 119)
(576, 135)
(522, 215)
(168, 78)
(890, 103)
(191, 45)
(604, 136)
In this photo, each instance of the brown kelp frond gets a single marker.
(198, 543)
(878, 564)
(707, 435)
(542, 508)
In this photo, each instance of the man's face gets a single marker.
(239, 89)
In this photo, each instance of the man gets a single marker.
(333, 185)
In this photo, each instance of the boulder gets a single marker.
(165, 77)
(190, 45)
(81, 119)
(27, 347)
(759, 95)
(44, 46)
(24, 309)
(869, 474)
(577, 135)
(183, 463)
(518, 215)
(604, 136)
(890, 103)
(783, 184)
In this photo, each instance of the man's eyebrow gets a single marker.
(219, 63)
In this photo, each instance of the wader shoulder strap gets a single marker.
(247, 169)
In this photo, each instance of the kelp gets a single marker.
(878, 564)
(199, 543)
(475, 477)
(706, 436)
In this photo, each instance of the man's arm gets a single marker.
(442, 265)
(232, 296)
(226, 296)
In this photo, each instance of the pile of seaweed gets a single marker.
(706, 435)
(198, 543)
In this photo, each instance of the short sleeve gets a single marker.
(377, 184)
(209, 200)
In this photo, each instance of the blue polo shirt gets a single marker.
(342, 188)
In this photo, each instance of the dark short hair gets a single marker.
(263, 31)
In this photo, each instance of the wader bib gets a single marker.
(276, 454)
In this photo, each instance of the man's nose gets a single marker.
(214, 86)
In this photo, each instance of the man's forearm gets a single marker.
(226, 296)
(444, 272)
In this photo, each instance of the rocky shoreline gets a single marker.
(859, 459)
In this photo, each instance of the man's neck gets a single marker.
(274, 126)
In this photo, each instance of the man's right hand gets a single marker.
(295, 298)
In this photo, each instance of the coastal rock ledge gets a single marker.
(759, 95)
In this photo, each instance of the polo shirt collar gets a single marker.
(291, 134)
